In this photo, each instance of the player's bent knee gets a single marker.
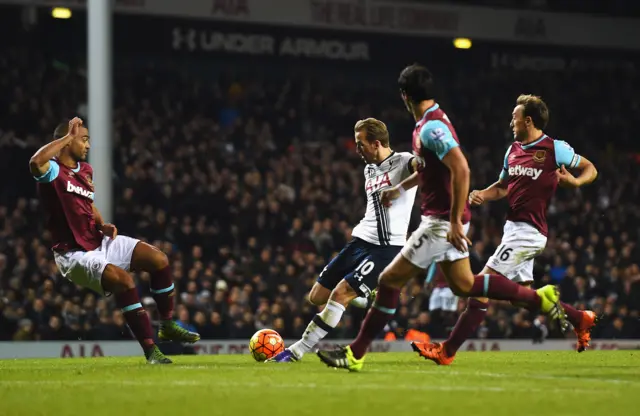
(385, 278)
(315, 300)
(459, 276)
(161, 260)
(319, 295)
(464, 289)
(343, 293)
(457, 290)
(461, 288)
(115, 279)
(148, 258)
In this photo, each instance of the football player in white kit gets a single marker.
(353, 274)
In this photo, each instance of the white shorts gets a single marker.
(85, 268)
(443, 298)
(521, 243)
(428, 244)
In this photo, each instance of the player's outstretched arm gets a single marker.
(588, 174)
(410, 182)
(388, 195)
(39, 162)
(497, 190)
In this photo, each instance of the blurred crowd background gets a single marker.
(247, 178)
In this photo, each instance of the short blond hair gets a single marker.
(374, 129)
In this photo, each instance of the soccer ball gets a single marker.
(265, 344)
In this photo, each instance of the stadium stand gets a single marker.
(247, 178)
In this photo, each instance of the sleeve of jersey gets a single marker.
(565, 155)
(407, 160)
(436, 136)
(49, 175)
(504, 173)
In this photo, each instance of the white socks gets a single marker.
(318, 328)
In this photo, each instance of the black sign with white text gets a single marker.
(176, 40)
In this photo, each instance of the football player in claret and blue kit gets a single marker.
(534, 166)
(89, 252)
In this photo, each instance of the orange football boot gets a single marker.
(433, 351)
(589, 320)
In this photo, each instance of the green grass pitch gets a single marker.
(392, 384)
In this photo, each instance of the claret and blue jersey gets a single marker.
(530, 173)
(563, 153)
(67, 198)
(433, 138)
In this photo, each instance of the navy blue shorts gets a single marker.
(359, 263)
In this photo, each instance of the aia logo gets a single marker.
(373, 184)
(233, 8)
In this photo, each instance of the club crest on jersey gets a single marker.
(75, 189)
(539, 156)
(89, 181)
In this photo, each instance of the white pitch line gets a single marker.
(314, 386)
(439, 372)
(504, 375)
(446, 372)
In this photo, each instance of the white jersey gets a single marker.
(380, 225)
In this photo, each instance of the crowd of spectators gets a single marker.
(250, 184)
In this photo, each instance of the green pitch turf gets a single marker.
(392, 384)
